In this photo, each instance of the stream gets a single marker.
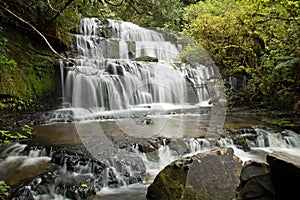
(124, 118)
(55, 162)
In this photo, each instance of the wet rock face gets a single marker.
(272, 180)
(179, 146)
(18, 171)
(285, 173)
(256, 182)
(240, 137)
(211, 175)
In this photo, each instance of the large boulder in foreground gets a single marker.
(210, 175)
(276, 179)
(286, 174)
(256, 182)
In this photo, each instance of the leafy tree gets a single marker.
(60, 18)
(255, 39)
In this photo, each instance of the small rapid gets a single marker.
(129, 174)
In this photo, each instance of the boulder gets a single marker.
(210, 175)
(256, 182)
(275, 179)
(285, 173)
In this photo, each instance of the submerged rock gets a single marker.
(210, 175)
(239, 137)
(179, 146)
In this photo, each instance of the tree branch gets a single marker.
(45, 39)
(134, 8)
(112, 4)
(51, 6)
(35, 29)
(59, 13)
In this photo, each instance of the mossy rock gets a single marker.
(238, 139)
(146, 59)
(205, 176)
(169, 184)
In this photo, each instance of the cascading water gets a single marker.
(111, 79)
(121, 68)
(108, 77)
(120, 178)
(262, 141)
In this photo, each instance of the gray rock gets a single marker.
(210, 175)
(272, 180)
(179, 146)
(285, 173)
(256, 182)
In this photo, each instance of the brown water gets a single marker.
(71, 134)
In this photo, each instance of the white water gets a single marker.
(15, 159)
(113, 85)
(286, 141)
(112, 80)
(267, 141)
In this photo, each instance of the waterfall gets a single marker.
(110, 78)
(61, 67)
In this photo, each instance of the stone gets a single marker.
(275, 179)
(210, 175)
(169, 184)
(20, 169)
(215, 176)
(256, 182)
(146, 59)
(179, 146)
(146, 147)
(285, 173)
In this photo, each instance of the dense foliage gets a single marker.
(258, 40)
(3, 189)
(254, 41)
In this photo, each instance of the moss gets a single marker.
(282, 119)
(30, 68)
(239, 140)
(13, 83)
(190, 194)
(27, 82)
(41, 75)
(146, 59)
(171, 180)
(283, 123)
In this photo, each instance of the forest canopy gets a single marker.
(258, 40)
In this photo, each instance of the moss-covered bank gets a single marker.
(27, 69)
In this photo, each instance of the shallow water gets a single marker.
(72, 136)
(133, 192)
